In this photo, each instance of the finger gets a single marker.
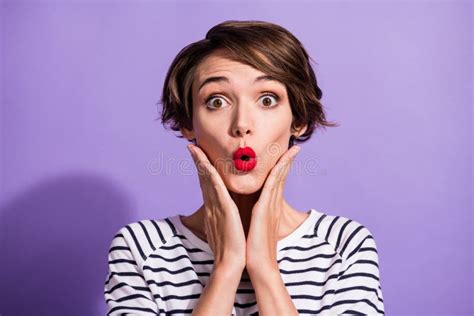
(272, 181)
(213, 178)
(284, 173)
(209, 171)
(201, 168)
(277, 194)
(288, 162)
(280, 168)
(201, 161)
(281, 178)
(204, 177)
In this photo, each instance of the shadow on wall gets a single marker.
(54, 240)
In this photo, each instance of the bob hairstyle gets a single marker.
(264, 46)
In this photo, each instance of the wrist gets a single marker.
(263, 267)
(228, 271)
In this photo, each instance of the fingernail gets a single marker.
(190, 148)
(297, 149)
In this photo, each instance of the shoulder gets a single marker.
(358, 287)
(143, 237)
(345, 235)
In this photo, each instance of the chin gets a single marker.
(243, 184)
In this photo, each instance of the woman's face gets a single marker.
(237, 110)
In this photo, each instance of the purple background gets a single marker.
(81, 153)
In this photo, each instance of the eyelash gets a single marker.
(268, 94)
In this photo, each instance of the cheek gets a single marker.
(277, 133)
(277, 120)
(205, 128)
(277, 137)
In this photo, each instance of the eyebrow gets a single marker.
(225, 79)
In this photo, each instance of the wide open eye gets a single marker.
(268, 96)
(215, 102)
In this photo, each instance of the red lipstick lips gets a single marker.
(244, 158)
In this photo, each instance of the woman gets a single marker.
(243, 96)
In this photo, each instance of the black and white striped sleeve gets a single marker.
(126, 291)
(358, 284)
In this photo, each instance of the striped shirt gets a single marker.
(329, 266)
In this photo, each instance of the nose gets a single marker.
(242, 130)
(242, 123)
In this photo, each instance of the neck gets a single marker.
(290, 218)
(245, 204)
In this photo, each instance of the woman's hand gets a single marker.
(223, 226)
(262, 237)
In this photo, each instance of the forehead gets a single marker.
(217, 63)
(219, 68)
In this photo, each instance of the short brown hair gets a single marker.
(246, 42)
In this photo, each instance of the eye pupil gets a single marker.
(266, 103)
(217, 105)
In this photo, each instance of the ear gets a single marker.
(300, 131)
(189, 134)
